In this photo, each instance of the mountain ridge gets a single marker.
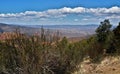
(65, 30)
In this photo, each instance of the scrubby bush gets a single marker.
(23, 54)
(47, 53)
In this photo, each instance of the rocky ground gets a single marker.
(109, 65)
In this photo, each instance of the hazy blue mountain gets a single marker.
(65, 30)
(70, 30)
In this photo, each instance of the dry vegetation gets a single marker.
(49, 54)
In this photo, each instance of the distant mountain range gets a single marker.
(65, 30)
(12, 28)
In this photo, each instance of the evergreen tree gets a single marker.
(103, 30)
(117, 37)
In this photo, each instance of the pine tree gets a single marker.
(103, 30)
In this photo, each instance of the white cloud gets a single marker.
(113, 17)
(113, 10)
(105, 11)
(66, 10)
(76, 20)
(63, 12)
(85, 19)
(109, 13)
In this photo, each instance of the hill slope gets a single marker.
(109, 65)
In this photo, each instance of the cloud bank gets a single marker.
(52, 15)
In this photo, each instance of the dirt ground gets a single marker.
(109, 65)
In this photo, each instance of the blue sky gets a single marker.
(56, 12)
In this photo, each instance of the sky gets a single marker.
(59, 12)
